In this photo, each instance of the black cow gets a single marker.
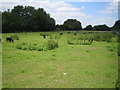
(9, 39)
(75, 33)
(61, 34)
(44, 36)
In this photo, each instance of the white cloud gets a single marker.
(105, 20)
(111, 8)
(106, 12)
(66, 9)
(60, 17)
(98, 20)
(62, 0)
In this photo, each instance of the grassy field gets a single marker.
(87, 66)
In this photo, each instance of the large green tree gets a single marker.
(72, 24)
(28, 19)
(101, 27)
(116, 26)
(89, 27)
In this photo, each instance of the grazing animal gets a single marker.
(61, 34)
(9, 39)
(44, 36)
(0, 40)
(92, 39)
(75, 33)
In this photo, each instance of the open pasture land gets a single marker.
(74, 61)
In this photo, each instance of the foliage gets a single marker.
(86, 38)
(80, 40)
(72, 24)
(101, 28)
(89, 27)
(31, 46)
(27, 19)
(52, 44)
(59, 27)
(116, 26)
(103, 36)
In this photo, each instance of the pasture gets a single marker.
(30, 62)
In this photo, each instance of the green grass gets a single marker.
(88, 66)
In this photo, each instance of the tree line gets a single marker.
(26, 19)
(29, 19)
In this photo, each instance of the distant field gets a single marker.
(86, 66)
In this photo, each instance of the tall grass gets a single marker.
(86, 38)
(80, 39)
(103, 36)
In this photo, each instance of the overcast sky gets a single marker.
(92, 12)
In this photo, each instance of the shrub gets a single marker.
(23, 46)
(103, 36)
(41, 48)
(51, 44)
(14, 37)
(80, 40)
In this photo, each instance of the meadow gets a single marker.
(67, 60)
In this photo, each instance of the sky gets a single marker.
(88, 12)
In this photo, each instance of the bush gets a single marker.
(41, 48)
(103, 36)
(30, 46)
(80, 40)
(51, 44)
(23, 46)
(14, 37)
